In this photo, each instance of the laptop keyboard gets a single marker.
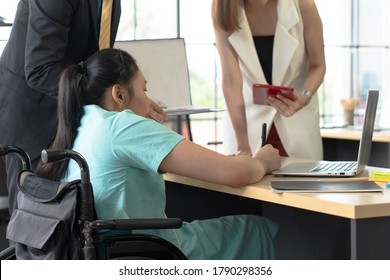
(336, 166)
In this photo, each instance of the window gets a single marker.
(357, 40)
(190, 20)
(8, 9)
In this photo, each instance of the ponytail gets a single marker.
(69, 114)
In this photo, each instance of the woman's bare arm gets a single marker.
(192, 160)
(232, 90)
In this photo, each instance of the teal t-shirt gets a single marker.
(124, 152)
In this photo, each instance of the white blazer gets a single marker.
(300, 134)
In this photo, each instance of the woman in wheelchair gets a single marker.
(103, 115)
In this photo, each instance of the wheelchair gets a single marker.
(57, 220)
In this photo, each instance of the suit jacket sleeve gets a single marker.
(47, 42)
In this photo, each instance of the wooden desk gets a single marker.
(311, 226)
(343, 144)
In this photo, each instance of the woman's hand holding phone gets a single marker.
(261, 92)
(280, 98)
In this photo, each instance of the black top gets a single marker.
(264, 48)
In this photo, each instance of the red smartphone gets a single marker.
(261, 92)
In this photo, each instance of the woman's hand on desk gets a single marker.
(269, 157)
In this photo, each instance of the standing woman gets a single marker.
(276, 42)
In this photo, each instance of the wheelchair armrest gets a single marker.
(133, 224)
(8, 253)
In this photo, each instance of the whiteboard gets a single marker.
(164, 65)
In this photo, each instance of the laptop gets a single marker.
(340, 168)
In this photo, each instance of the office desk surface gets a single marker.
(347, 205)
(354, 134)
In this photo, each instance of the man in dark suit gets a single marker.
(46, 36)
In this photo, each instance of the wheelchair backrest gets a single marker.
(45, 224)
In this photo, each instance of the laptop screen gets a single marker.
(368, 130)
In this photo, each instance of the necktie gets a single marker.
(105, 25)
